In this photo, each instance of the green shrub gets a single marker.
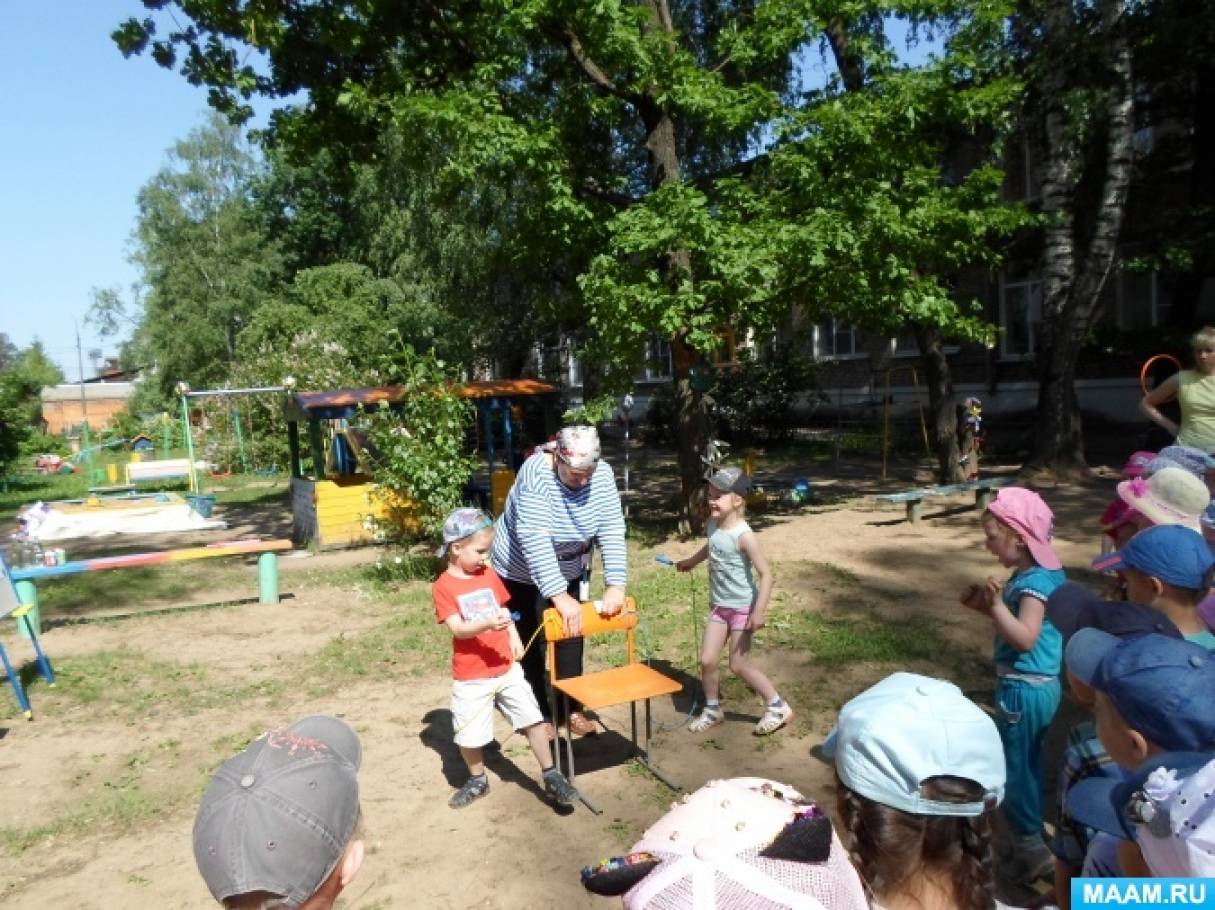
(417, 448)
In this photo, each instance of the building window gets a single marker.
(1142, 302)
(836, 338)
(573, 362)
(1020, 317)
(658, 363)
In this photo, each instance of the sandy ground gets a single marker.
(509, 850)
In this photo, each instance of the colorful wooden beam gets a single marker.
(131, 560)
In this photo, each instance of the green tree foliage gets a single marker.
(23, 374)
(207, 264)
(627, 142)
(420, 447)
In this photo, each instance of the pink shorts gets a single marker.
(734, 619)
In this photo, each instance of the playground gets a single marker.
(164, 671)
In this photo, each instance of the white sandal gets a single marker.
(709, 717)
(774, 718)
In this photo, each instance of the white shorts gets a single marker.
(473, 702)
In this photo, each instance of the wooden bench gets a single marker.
(25, 579)
(166, 469)
(984, 490)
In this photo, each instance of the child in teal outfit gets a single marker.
(1028, 657)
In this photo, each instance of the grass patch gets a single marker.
(127, 682)
(24, 489)
(77, 595)
(409, 641)
(247, 489)
(120, 803)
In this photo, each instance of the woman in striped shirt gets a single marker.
(563, 500)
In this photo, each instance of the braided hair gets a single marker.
(891, 848)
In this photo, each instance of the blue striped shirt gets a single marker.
(545, 526)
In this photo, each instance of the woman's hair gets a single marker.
(890, 847)
(1203, 338)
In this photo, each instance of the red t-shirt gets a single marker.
(484, 655)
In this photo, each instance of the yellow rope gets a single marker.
(492, 698)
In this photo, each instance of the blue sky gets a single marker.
(84, 129)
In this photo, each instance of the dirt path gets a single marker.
(101, 794)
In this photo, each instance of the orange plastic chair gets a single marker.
(632, 682)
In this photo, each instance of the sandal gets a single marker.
(580, 724)
(709, 717)
(774, 718)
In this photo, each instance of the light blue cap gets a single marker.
(907, 728)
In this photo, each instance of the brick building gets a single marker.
(63, 410)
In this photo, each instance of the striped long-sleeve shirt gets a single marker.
(545, 526)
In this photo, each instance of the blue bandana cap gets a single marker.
(463, 523)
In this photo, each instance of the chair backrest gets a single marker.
(592, 624)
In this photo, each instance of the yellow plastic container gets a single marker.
(111, 473)
(500, 483)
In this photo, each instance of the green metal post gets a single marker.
(240, 441)
(267, 578)
(185, 428)
(27, 593)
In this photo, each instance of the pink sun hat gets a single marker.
(1026, 513)
(1136, 463)
(1171, 496)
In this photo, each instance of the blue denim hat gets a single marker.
(1188, 458)
(908, 728)
(1173, 553)
(1162, 687)
(1072, 607)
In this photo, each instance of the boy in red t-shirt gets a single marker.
(469, 598)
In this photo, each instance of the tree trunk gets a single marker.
(693, 422)
(1072, 279)
(943, 415)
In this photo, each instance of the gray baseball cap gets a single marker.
(732, 480)
(278, 816)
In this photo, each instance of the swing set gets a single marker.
(227, 441)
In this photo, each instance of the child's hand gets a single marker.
(993, 592)
(684, 565)
(756, 621)
(516, 648)
(501, 621)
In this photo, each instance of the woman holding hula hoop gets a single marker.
(1194, 391)
(563, 501)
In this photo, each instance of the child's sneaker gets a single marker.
(774, 718)
(474, 788)
(560, 789)
(711, 716)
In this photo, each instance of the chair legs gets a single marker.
(44, 663)
(15, 681)
(21, 614)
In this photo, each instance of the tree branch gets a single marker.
(592, 69)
